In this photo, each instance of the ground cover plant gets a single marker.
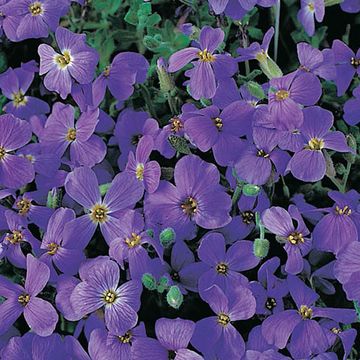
(179, 179)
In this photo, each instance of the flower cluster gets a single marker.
(178, 191)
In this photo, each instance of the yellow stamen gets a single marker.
(270, 303)
(305, 312)
(176, 125)
(247, 217)
(98, 213)
(355, 62)
(71, 135)
(336, 330)
(140, 172)
(281, 95)
(261, 56)
(344, 211)
(222, 268)
(23, 206)
(126, 338)
(311, 7)
(19, 99)
(295, 238)
(218, 123)
(205, 56)
(315, 144)
(52, 248)
(36, 9)
(107, 71)
(24, 299)
(15, 237)
(189, 206)
(223, 319)
(262, 153)
(133, 240)
(2, 153)
(63, 60)
(110, 296)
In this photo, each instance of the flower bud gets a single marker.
(261, 248)
(165, 79)
(104, 188)
(256, 90)
(174, 297)
(163, 284)
(167, 237)
(251, 190)
(53, 198)
(270, 68)
(148, 281)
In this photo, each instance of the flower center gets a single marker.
(218, 123)
(133, 240)
(175, 276)
(311, 7)
(52, 248)
(270, 303)
(344, 211)
(107, 71)
(109, 296)
(2, 152)
(315, 144)
(189, 206)
(261, 56)
(126, 338)
(176, 125)
(296, 238)
(262, 153)
(355, 62)
(247, 217)
(222, 268)
(23, 206)
(63, 60)
(281, 95)
(223, 319)
(99, 213)
(336, 330)
(71, 135)
(36, 9)
(140, 172)
(305, 312)
(19, 99)
(205, 56)
(135, 139)
(24, 299)
(15, 237)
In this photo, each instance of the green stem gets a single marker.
(236, 194)
(277, 27)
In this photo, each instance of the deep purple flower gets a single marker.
(215, 336)
(8, 21)
(173, 339)
(297, 244)
(61, 132)
(14, 84)
(126, 70)
(350, 6)
(61, 253)
(209, 67)
(146, 172)
(257, 161)
(340, 225)
(224, 266)
(82, 186)
(352, 108)
(288, 93)
(36, 18)
(18, 234)
(15, 171)
(311, 9)
(100, 288)
(347, 270)
(347, 64)
(209, 128)
(191, 201)
(130, 127)
(77, 61)
(308, 336)
(309, 164)
(39, 314)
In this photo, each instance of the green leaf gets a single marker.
(179, 144)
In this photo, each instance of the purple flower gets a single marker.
(15, 171)
(320, 63)
(223, 266)
(216, 336)
(220, 5)
(130, 127)
(39, 314)
(60, 132)
(173, 339)
(347, 64)
(36, 18)
(14, 84)
(128, 244)
(126, 70)
(190, 202)
(8, 22)
(100, 288)
(309, 164)
(288, 93)
(297, 244)
(350, 6)
(256, 162)
(209, 128)
(209, 67)
(309, 10)
(308, 336)
(18, 234)
(145, 171)
(352, 108)
(61, 253)
(82, 186)
(347, 270)
(77, 61)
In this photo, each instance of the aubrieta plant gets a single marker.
(179, 179)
